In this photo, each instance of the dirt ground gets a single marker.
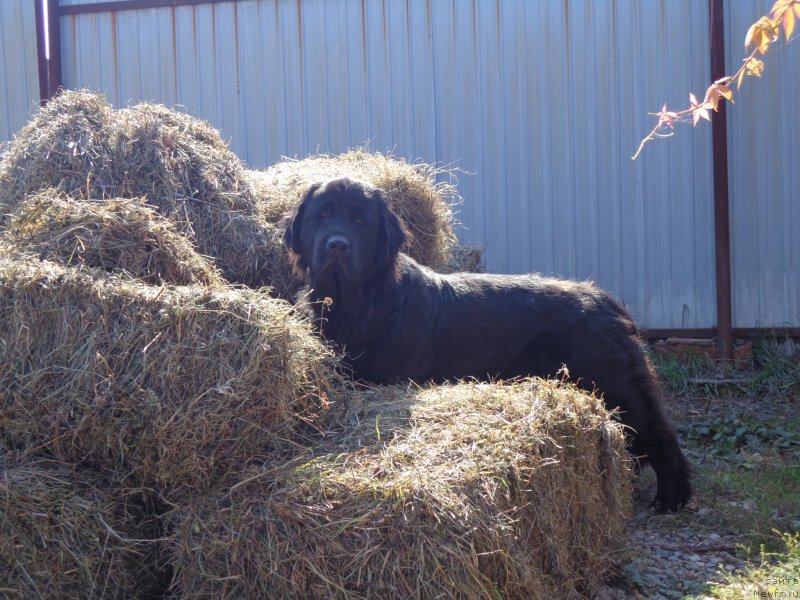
(742, 438)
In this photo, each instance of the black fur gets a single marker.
(397, 320)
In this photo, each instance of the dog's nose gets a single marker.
(337, 243)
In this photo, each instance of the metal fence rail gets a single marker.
(19, 83)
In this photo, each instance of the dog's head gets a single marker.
(343, 232)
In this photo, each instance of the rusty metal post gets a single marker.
(49, 67)
(722, 231)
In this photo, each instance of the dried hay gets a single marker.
(414, 194)
(64, 535)
(166, 387)
(81, 146)
(466, 258)
(515, 490)
(67, 145)
(184, 169)
(118, 236)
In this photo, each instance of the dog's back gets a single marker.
(396, 320)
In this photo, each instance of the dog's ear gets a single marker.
(393, 234)
(291, 232)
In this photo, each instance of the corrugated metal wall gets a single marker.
(19, 75)
(764, 142)
(540, 102)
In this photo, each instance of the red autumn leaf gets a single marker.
(699, 110)
(716, 91)
(666, 117)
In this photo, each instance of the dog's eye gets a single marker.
(359, 221)
(324, 214)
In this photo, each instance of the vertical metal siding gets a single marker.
(763, 138)
(539, 102)
(19, 82)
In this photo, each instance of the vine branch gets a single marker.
(761, 34)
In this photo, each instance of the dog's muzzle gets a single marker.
(338, 244)
(335, 254)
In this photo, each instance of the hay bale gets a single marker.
(167, 387)
(66, 145)
(419, 200)
(465, 258)
(64, 535)
(515, 490)
(78, 144)
(118, 236)
(182, 166)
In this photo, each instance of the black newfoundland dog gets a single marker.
(395, 320)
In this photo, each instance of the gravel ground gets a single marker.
(667, 556)
(671, 560)
(674, 563)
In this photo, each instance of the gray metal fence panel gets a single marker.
(764, 148)
(19, 75)
(539, 103)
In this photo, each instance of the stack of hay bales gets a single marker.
(68, 144)
(118, 236)
(477, 491)
(83, 148)
(166, 387)
(424, 203)
(69, 535)
(162, 431)
(80, 146)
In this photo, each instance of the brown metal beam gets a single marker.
(662, 334)
(54, 62)
(737, 333)
(776, 332)
(722, 241)
(49, 67)
(40, 51)
(83, 9)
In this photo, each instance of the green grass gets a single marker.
(767, 373)
(747, 473)
(675, 372)
(752, 498)
(739, 433)
(742, 437)
(775, 575)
